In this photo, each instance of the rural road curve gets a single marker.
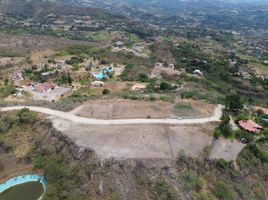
(83, 120)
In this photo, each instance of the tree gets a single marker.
(234, 103)
(26, 116)
(225, 118)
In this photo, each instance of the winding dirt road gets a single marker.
(90, 121)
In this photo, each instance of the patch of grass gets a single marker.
(183, 106)
(160, 190)
(189, 180)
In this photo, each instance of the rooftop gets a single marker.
(250, 125)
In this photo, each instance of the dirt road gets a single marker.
(83, 120)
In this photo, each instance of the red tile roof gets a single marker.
(250, 125)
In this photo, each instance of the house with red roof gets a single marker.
(250, 126)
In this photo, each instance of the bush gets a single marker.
(106, 91)
(183, 106)
(39, 161)
(143, 78)
(224, 130)
(5, 124)
(189, 180)
(27, 116)
(223, 191)
(161, 190)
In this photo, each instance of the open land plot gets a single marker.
(138, 141)
(125, 109)
(10, 60)
(23, 44)
(51, 95)
(226, 149)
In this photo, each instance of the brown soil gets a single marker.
(126, 109)
(138, 141)
(119, 108)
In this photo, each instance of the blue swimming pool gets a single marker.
(19, 180)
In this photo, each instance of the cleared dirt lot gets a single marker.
(138, 141)
(226, 149)
(126, 109)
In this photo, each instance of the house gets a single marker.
(119, 43)
(197, 72)
(246, 72)
(16, 76)
(97, 83)
(61, 63)
(232, 62)
(103, 73)
(245, 75)
(45, 87)
(138, 86)
(250, 126)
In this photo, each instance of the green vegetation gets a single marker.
(189, 180)
(223, 191)
(234, 103)
(8, 122)
(183, 106)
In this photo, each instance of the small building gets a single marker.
(197, 72)
(45, 87)
(232, 62)
(61, 63)
(250, 126)
(97, 83)
(119, 43)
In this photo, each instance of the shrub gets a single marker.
(143, 78)
(39, 161)
(189, 180)
(27, 116)
(223, 164)
(223, 191)
(183, 106)
(5, 124)
(165, 86)
(225, 118)
(161, 190)
(106, 91)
